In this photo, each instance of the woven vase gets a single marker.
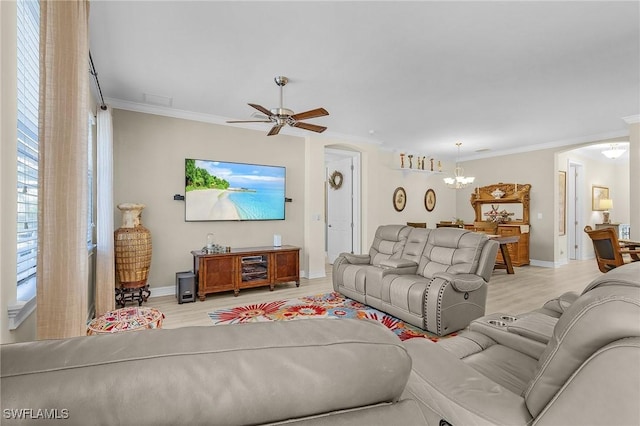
(132, 247)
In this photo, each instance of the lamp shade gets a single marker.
(606, 203)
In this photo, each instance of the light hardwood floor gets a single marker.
(523, 291)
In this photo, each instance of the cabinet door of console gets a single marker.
(217, 273)
(286, 266)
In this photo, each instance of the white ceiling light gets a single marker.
(613, 151)
(459, 180)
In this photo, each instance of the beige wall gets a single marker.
(149, 154)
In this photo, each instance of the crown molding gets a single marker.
(600, 137)
(216, 119)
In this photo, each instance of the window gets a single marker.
(28, 20)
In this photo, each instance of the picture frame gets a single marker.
(562, 203)
(430, 200)
(399, 199)
(598, 193)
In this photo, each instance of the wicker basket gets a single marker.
(132, 248)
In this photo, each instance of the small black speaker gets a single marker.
(185, 287)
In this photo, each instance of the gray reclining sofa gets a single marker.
(435, 279)
(581, 367)
(344, 372)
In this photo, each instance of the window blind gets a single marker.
(28, 21)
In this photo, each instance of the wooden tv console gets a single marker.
(245, 268)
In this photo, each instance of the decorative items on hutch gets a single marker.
(132, 244)
(506, 204)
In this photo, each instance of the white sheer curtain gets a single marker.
(62, 269)
(105, 266)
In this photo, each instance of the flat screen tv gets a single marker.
(218, 190)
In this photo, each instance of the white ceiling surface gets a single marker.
(413, 76)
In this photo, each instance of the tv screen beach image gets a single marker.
(216, 190)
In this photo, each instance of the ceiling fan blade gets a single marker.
(261, 109)
(275, 130)
(249, 121)
(318, 112)
(312, 127)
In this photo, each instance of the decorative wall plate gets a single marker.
(399, 199)
(430, 199)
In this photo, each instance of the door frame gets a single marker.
(332, 153)
(575, 221)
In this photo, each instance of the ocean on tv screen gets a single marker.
(233, 191)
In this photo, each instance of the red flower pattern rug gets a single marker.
(328, 305)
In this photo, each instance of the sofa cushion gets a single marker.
(600, 316)
(457, 392)
(232, 374)
(451, 250)
(388, 242)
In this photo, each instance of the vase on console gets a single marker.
(132, 244)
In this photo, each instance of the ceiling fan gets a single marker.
(281, 116)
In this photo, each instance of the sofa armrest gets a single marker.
(457, 392)
(357, 259)
(461, 282)
(561, 303)
(398, 263)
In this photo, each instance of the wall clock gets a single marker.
(430, 199)
(399, 199)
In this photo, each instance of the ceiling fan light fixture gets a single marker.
(613, 151)
(459, 180)
(282, 116)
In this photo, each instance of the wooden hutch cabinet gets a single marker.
(245, 268)
(508, 205)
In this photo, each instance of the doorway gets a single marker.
(342, 202)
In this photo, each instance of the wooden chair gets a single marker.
(609, 253)
(417, 224)
(485, 227)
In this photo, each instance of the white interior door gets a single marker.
(340, 223)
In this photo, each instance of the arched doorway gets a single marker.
(342, 202)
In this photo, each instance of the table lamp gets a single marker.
(606, 204)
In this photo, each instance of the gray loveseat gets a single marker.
(435, 279)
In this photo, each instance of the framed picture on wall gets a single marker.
(598, 193)
(399, 199)
(562, 203)
(430, 199)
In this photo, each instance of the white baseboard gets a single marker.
(544, 263)
(170, 290)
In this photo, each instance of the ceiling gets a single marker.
(414, 76)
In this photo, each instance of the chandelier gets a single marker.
(613, 151)
(459, 180)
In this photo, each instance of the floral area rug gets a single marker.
(328, 305)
